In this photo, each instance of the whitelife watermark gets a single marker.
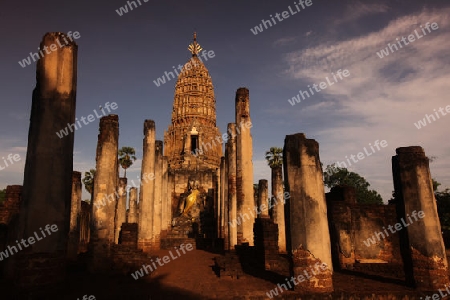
(323, 85)
(90, 118)
(12, 158)
(31, 241)
(423, 122)
(166, 259)
(85, 297)
(397, 226)
(411, 38)
(221, 138)
(437, 296)
(192, 63)
(113, 196)
(282, 287)
(124, 9)
(53, 47)
(263, 207)
(360, 156)
(284, 15)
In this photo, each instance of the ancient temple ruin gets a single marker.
(196, 187)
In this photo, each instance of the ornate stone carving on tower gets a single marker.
(192, 140)
(192, 145)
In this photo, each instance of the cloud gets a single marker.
(355, 10)
(288, 40)
(382, 98)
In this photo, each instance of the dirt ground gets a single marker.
(191, 276)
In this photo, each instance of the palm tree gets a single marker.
(88, 180)
(126, 158)
(274, 157)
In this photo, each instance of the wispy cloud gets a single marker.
(382, 97)
(288, 40)
(355, 10)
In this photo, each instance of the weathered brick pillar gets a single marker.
(133, 210)
(11, 205)
(232, 192)
(223, 208)
(121, 208)
(244, 166)
(147, 190)
(417, 211)
(307, 224)
(277, 202)
(157, 205)
(75, 209)
(166, 205)
(47, 185)
(218, 202)
(262, 200)
(105, 194)
(266, 242)
(85, 226)
(9, 215)
(340, 201)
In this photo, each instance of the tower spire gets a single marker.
(195, 47)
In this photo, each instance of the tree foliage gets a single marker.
(335, 176)
(274, 157)
(88, 180)
(126, 158)
(443, 206)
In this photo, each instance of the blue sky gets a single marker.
(120, 56)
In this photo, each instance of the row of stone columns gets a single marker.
(51, 192)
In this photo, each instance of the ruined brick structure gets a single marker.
(352, 224)
(192, 192)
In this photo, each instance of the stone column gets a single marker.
(9, 215)
(133, 211)
(105, 193)
(157, 206)
(232, 194)
(244, 166)
(85, 226)
(307, 224)
(417, 213)
(166, 205)
(47, 185)
(121, 208)
(11, 205)
(218, 203)
(262, 203)
(75, 209)
(277, 203)
(147, 190)
(223, 201)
